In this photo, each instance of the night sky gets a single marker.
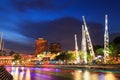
(23, 21)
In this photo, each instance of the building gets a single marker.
(55, 47)
(6, 60)
(40, 46)
(2, 53)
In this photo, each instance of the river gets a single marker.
(29, 73)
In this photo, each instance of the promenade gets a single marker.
(100, 66)
(103, 66)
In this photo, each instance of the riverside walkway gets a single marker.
(93, 66)
(101, 66)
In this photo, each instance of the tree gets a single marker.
(2, 53)
(99, 51)
(112, 49)
(66, 56)
(17, 57)
(116, 43)
(116, 40)
(97, 47)
(62, 56)
(71, 57)
(11, 53)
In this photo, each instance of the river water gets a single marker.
(27, 73)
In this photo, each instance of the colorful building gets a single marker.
(40, 46)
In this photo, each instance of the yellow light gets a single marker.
(110, 76)
(22, 73)
(28, 75)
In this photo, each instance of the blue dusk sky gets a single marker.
(23, 21)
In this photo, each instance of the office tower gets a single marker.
(41, 46)
(55, 47)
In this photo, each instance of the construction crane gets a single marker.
(106, 39)
(89, 43)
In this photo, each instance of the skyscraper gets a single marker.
(40, 46)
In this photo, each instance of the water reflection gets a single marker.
(87, 75)
(24, 73)
(14, 72)
(95, 76)
(28, 77)
(101, 77)
(110, 76)
(20, 73)
(77, 74)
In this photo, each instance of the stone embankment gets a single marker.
(111, 67)
(101, 66)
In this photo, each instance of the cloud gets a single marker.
(62, 30)
(96, 31)
(18, 42)
(23, 21)
(22, 5)
(16, 37)
(17, 47)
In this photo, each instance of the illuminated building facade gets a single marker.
(55, 47)
(40, 46)
(6, 60)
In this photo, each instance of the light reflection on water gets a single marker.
(77, 74)
(22, 73)
(110, 76)
(28, 76)
(25, 73)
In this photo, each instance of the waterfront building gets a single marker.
(2, 53)
(55, 47)
(6, 60)
(40, 46)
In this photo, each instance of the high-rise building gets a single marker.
(55, 47)
(40, 46)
